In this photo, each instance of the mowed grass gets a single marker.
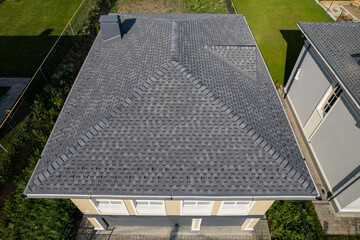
(170, 6)
(273, 25)
(28, 29)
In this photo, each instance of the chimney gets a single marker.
(110, 26)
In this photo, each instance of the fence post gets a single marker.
(13, 128)
(3, 148)
(42, 73)
(72, 30)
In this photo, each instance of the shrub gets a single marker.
(38, 218)
(286, 220)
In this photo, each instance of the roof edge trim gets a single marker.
(201, 197)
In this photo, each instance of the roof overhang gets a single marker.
(189, 197)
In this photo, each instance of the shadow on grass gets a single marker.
(20, 56)
(294, 41)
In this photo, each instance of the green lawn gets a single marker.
(273, 25)
(28, 28)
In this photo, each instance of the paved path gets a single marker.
(260, 232)
(331, 223)
(17, 85)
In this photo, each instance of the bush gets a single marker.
(286, 220)
(38, 218)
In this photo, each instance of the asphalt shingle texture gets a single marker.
(182, 105)
(339, 44)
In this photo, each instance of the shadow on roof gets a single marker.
(127, 24)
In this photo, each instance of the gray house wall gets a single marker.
(349, 199)
(306, 92)
(335, 142)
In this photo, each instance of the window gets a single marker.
(195, 224)
(111, 206)
(190, 207)
(330, 101)
(235, 207)
(156, 207)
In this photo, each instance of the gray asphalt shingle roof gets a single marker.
(339, 44)
(181, 105)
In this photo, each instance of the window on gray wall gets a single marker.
(334, 96)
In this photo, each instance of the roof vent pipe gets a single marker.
(110, 26)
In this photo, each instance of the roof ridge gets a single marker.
(174, 46)
(251, 132)
(98, 127)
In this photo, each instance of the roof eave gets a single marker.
(179, 197)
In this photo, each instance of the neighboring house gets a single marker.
(173, 118)
(324, 92)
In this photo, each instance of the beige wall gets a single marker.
(85, 206)
(96, 224)
(130, 207)
(172, 207)
(216, 208)
(249, 224)
(260, 207)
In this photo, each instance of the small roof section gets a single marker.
(338, 43)
(182, 105)
(108, 18)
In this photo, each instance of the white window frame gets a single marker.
(198, 207)
(334, 90)
(113, 207)
(193, 222)
(147, 207)
(239, 208)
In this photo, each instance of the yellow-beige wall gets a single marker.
(216, 208)
(85, 206)
(95, 223)
(260, 207)
(254, 221)
(173, 207)
(130, 207)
